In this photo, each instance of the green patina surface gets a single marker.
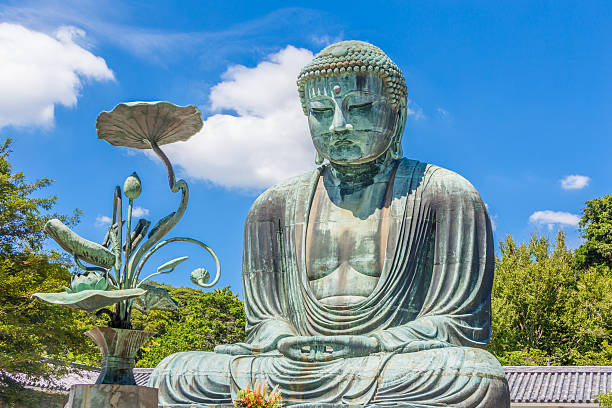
(367, 282)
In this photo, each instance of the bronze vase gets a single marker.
(119, 348)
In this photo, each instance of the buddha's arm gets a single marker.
(263, 281)
(264, 339)
(456, 309)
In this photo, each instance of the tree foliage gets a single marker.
(203, 321)
(531, 286)
(32, 334)
(546, 311)
(596, 225)
(605, 400)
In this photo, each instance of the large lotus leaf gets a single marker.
(155, 299)
(132, 124)
(90, 300)
(88, 251)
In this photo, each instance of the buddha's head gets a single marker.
(355, 99)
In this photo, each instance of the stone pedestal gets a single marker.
(111, 396)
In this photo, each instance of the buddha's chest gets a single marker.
(343, 251)
(338, 239)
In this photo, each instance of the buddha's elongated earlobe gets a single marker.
(396, 150)
(319, 159)
(396, 146)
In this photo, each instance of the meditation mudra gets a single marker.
(366, 281)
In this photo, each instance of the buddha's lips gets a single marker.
(341, 141)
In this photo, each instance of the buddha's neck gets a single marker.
(361, 175)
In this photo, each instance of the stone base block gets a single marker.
(111, 396)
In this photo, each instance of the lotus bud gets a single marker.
(88, 281)
(132, 186)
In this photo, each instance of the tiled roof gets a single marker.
(558, 384)
(527, 384)
(79, 374)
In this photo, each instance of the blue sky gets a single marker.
(514, 96)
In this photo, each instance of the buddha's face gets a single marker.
(350, 119)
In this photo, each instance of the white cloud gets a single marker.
(266, 141)
(137, 212)
(326, 39)
(38, 70)
(103, 221)
(575, 182)
(442, 113)
(550, 218)
(140, 212)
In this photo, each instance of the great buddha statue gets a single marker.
(367, 281)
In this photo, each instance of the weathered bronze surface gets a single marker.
(367, 282)
(118, 348)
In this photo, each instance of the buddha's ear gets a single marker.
(401, 123)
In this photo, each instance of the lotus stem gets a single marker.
(181, 239)
(117, 211)
(162, 230)
(128, 237)
(152, 275)
(160, 153)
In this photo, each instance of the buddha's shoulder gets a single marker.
(434, 178)
(274, 198)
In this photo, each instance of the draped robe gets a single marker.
(430, 309)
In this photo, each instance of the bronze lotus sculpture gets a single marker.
(111, 271)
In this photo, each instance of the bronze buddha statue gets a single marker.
(366, 281)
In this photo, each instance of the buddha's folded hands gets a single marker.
(327, 348)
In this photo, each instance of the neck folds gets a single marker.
(362, 174)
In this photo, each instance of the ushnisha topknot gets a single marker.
(355, 56)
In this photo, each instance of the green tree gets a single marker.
(533, 282)
(203, 321)
(32, 334)
(596, 225)
(589, 315)
(605, 400)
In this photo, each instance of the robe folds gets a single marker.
(430, 309)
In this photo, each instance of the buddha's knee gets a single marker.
(193, 376)
(451, 360)
(456, 376)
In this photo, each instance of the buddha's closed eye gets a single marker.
(321, 110)
(361, 105)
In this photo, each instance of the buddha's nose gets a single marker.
(339, 124)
